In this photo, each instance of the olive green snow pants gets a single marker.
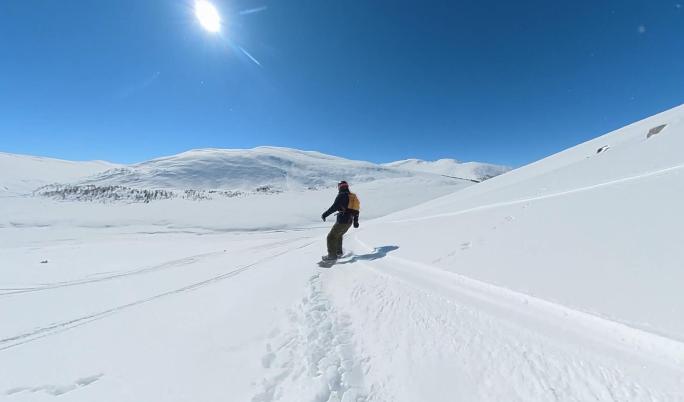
(335, 238)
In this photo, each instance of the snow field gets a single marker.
(256, 212)
(259, 321)
(187, 329)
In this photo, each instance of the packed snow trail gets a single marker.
(426, 334)
(537, 313)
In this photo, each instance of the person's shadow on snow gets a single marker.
(378, 252)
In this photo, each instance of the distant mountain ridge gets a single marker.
(276, 168)
(475, 171)
(244, 169)
(247, 170)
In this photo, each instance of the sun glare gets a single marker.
(207, 15)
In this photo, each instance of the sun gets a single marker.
(207, 15)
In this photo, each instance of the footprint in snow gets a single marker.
(314, 358)
(57, 390)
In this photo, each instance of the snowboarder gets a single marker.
(347, 206)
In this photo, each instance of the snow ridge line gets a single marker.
(542, 197)
(314, 359)
(20, 339)
(533, 312)
(138, 271)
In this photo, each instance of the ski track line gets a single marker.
(542, 197)
(422, 346)
(314, 357)
(17, 340)
(554, 318)
(159, 267)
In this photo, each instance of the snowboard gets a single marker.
(329, 263)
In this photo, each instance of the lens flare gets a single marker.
(207, 15)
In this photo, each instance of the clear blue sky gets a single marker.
(501, 81)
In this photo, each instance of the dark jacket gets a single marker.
(344, 215)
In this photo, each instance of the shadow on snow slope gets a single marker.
(377, 253)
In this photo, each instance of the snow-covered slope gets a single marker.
(450, 167)
(23, 173)
(245, 169)
(597, 227)
(557, 281)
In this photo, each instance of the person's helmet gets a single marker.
(342, 184)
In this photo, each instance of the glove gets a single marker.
(323, 217)
(356, 224)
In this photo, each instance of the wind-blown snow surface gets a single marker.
(554, 282)
(450, 167)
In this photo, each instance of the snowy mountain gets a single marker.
(263, 181)
(450, 167)
(281, 169)
(229, 171)
(244, 169)
(24, 173)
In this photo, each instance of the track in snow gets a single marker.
(180, 262)
(42, 332)
(545, 196)
(433, 335)
(311, 357)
